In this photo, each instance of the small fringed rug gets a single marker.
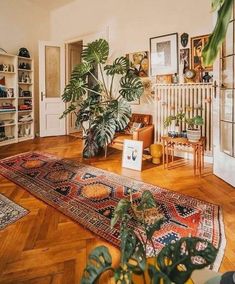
(9, 212)
(89, 196)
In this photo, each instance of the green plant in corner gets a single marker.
(175, 262)
(194, 122)
(99, 110)
(210, 51)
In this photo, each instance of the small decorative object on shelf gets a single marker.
(175, 78)
(207, 78)
(23, 52)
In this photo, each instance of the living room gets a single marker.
(117, 138)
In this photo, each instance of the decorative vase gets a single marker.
(193, 135)
(156, 153)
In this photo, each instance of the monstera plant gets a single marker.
(174, 264)
(101, 109)
(210, 51)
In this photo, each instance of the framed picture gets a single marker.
(132, 154)
(164, 54)
(139, 63)
(185, 58)
(197, 45)
(164, 79)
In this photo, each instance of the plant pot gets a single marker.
(193, 135)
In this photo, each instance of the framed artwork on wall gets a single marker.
(185, 58)
(164, 54)
(139, 63)
(197, 45)
(132, 154)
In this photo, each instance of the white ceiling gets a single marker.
(50, 5)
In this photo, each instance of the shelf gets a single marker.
(25, 122)
(9, 111)
(21, 139)
(22, 98)
(7, 54)
(5, 125)
(29, 84)
(7, 98)
(6, 72)
(24, 58)
(8, 141)
(28, 110)
(27, 70)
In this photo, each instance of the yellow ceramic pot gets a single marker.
(156, 153)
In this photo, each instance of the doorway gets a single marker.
(73, 57)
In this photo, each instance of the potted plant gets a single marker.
(193, 130)
(174, 263)
(101, 109)
(178, 118)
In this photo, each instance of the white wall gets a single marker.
(131, 23)
(22, 25)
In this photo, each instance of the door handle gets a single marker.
(42, 95)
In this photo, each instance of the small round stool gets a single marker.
(156, 153)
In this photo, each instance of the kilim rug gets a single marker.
(9, 212)
(89, 196)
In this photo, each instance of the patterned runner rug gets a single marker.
(10, 212)
(89, 196)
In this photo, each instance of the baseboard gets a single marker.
(208, 158)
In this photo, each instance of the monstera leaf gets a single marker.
(120, 211)
(213, 45)
(131, 88)
(96, 52)
(100, 260)
(74, 90)
(80, 70)
(119, 66)
(71, 108)
(104, 129)
(91, 147)
(179, 259)
(121, 112)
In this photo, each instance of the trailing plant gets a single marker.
(175, 262)
(210, 51)
(100, 111)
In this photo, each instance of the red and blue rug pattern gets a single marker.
(89, 196)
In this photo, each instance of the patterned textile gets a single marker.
(89, 196)
(9, 212)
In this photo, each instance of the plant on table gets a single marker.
(178, 118)
(99, 110)
(193, 131)
(175, 262)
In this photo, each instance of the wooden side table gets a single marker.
(170, 144)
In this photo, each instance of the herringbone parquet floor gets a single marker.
(47, 247)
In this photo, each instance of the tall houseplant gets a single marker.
(100, 110)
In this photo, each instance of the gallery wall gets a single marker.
(131, 23)
(22, 25)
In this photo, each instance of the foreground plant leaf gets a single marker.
(99, 261)
(96, 52)
(120, 211)
(178, 260)
(131, 88)
(119, 66)
(213, 45)
(147, 201)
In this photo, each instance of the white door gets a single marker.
(51, 86)
(224, 111)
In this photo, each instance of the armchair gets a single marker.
(144, 133)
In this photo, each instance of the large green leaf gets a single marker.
(70, 109)
(137, 261)
(157, 277)
(152, 228)
(123, 276)
(96, 52)
(104, 129)
(216, 4)
(147, 201)
(121, 112)
(131, 88)
(91, 147)
(120, 211)
(178, 260)
(213, 45)
(128, 243)
(74, 90)
(119, 66)
(100, 260)
(80, 70)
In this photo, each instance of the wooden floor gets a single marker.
(47, 247)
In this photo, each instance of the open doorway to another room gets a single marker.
(73, 57)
